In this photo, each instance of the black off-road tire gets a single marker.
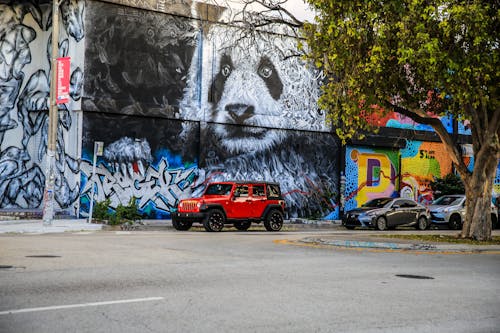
(422, 223)
(381, 223)
(215, 220)
(242, 225)
(181, 225)
(274, 220)
(455, 222)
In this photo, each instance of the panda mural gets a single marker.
(257, 104)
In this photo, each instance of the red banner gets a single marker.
(62, 86)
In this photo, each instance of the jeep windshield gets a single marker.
(218, 189)
(377, 203)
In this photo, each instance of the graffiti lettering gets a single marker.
(427, 154)
(162, 187)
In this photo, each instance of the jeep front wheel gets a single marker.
(181, 225)
(242, 225)
(215, 220)
(274, 220)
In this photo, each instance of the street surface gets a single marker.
(168, 281)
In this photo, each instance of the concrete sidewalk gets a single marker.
(35, 226)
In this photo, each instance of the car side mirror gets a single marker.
(396, 206)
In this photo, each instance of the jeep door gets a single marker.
(259, 200)
(240, 203)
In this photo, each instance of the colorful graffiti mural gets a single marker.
(420, 163)
(25, 30)
(370, 173)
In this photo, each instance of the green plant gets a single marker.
(128, 213)
(449, 184)
(101, 210)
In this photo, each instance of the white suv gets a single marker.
(450, 210)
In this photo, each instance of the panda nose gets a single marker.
(240, 112)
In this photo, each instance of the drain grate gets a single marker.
(411, 276)
(43, 256)
(6, 267)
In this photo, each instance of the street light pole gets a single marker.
(48, 196)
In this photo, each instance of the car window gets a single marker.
(258, 191)
(400, 203)
(273, 191)
(409, 203)
(377, 203)
(218, 189)
(447, 201)
(241, 191)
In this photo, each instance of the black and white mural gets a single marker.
(228, 107)
(257, 102)
(136, 60)
(25, 44)
(176, 102)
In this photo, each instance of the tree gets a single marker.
(422, 59)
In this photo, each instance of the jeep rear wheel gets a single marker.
(274, 220)
(215, 220)
(242, 225)
(181, 225)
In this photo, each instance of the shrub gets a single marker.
(124, 214)
(449, 184)
(101, 210)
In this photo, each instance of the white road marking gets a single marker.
(82, 305)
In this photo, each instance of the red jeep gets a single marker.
(233, 202)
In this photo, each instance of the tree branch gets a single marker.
(446, 138)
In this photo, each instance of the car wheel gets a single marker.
(214, 221)
(274, 220)
(242, 225)
(455, 222)
(422, 223)
(181, 225)
(350, 227)
(381, 223)
(494, 222)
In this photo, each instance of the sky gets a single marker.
(297, 7)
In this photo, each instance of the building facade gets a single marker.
(180, 98)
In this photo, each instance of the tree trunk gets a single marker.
(478, 190)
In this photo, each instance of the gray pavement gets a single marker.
(330, 233)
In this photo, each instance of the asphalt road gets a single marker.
(168, 281)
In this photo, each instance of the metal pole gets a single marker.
(48, 197)
(92, 192)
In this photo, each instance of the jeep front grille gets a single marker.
(188, 206)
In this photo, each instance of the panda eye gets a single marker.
(265, 72)
(226, 70)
